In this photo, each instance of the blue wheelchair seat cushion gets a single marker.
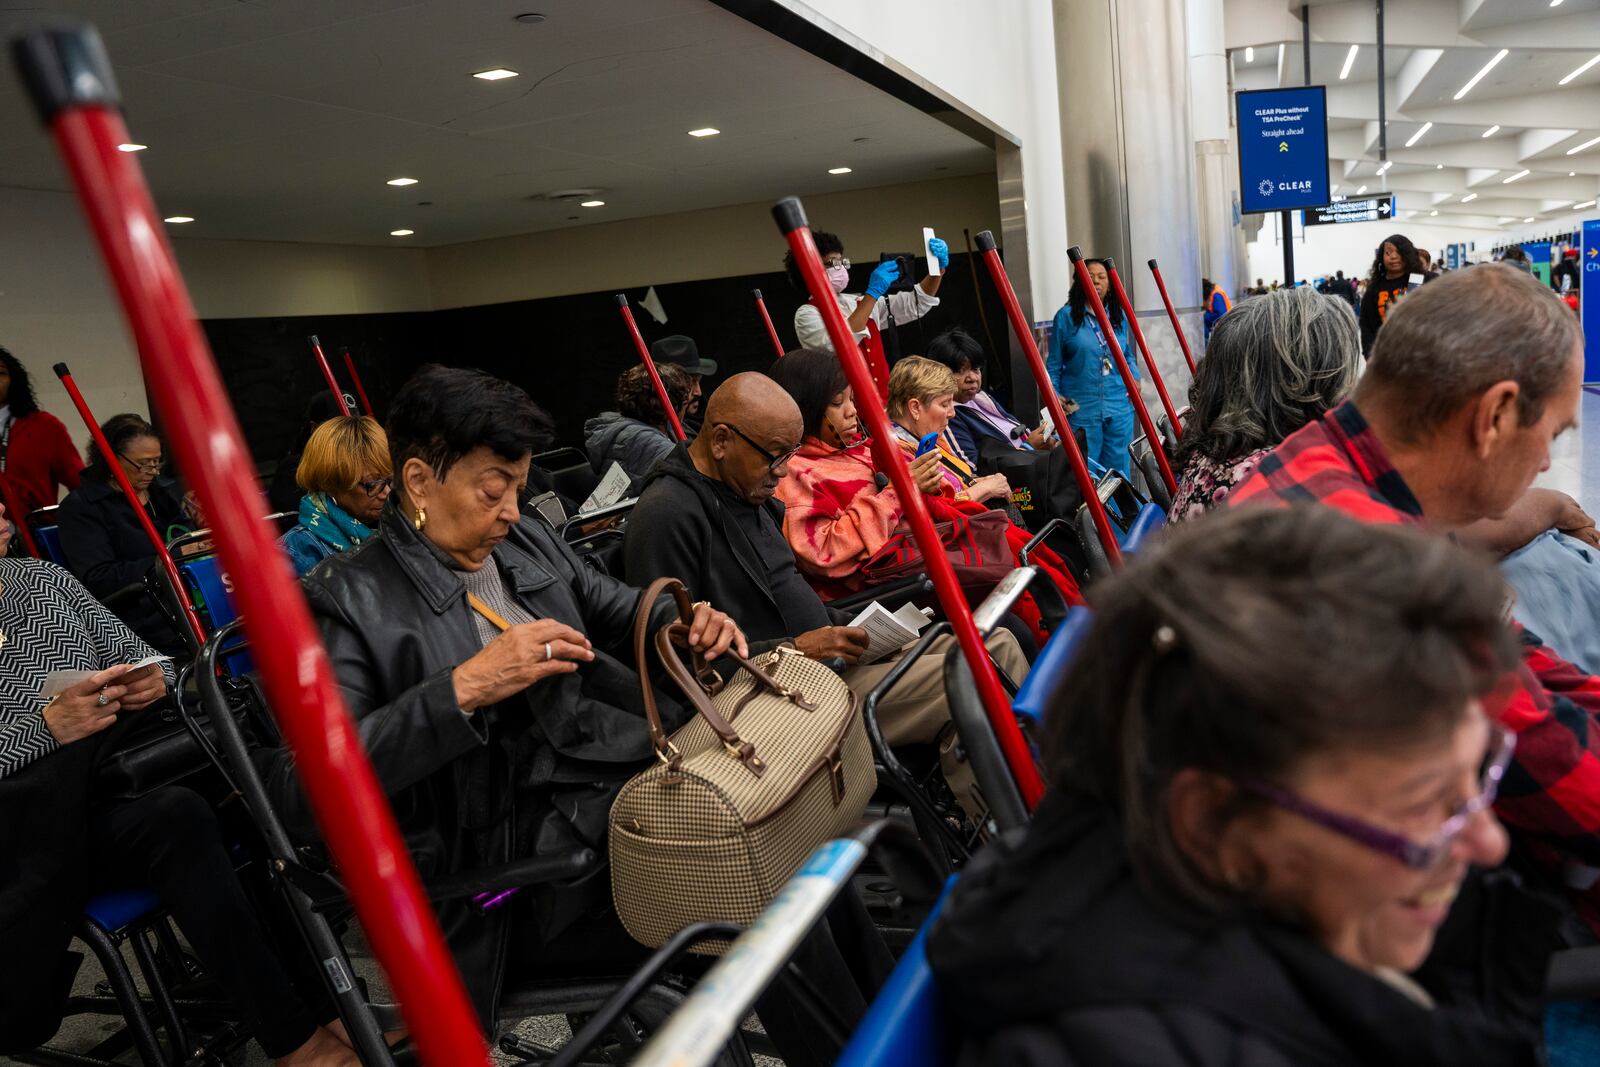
(113, 911)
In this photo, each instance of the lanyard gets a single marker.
(5, 442)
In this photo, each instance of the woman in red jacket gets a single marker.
(36, 454)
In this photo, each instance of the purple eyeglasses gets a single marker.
(1418, 855)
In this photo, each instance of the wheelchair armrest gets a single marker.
(909, 588)
(535, 870)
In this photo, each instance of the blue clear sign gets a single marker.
(1589, 253)
(1283, 148)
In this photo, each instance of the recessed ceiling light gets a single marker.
(1555, 3)
(1438, 166)
(593, 203)
(1528, 219)
(1469, 198)
(1572, 174)
(1476, 78)
(1580, 70)
(1580, 207)
(1426, 126)
(401, 181)
(705, 131)
(401, 233)
(838, 170)
(177, 219)
(1249, 54)
(131, 147)
(1361, 190)
(1491, 131)
(1519, 175)
(1432, 213)
(1349, 61)
(1503, 219)
(1590, 143)
(1384, 169)
(495, 75)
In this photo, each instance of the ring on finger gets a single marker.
(548, 655)
(102, 702)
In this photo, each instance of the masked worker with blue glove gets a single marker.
(877, 306)
(1081, 368)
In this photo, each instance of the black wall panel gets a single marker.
(566, 351)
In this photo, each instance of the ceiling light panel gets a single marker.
(1469, 198)
(401, 233)
(129, 146)
(177, 220)
(401, 181)
(1426, 126)
(838, 170)
(1581, 70)
(1492, 130)
(1518, 176)
(497, 74)
(1476, 78)
(705, 131)
(1349, 61)
(1590, 143)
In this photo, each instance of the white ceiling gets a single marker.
(283, 120)
(1433, 48)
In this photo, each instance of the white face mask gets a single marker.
(838, 277)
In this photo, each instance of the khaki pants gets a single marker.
(915, 711)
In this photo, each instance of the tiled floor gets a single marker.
(1570, 471)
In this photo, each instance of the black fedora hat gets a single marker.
(682, 351)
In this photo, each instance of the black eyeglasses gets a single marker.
(375, 486)
(148, 466)
(773, 461)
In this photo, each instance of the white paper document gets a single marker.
(58, 682)
(612, 488)
(890, 631)
(934, 270)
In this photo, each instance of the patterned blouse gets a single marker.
(50, 623)
(1204, 483)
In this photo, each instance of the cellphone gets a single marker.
(928, 443)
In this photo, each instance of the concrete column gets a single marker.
(1222, 250)
(1128, 157)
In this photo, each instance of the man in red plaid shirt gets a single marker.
(1471, 378)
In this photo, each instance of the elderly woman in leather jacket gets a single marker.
(489, 669)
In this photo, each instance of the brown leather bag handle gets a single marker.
(665, 751)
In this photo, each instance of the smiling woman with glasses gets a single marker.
(105, 544)
(345, 474)
(1272, 770)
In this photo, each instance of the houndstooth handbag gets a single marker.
(774, 763)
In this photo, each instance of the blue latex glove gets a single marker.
(884, 275)
(941, 252)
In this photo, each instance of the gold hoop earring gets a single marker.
(420, 519)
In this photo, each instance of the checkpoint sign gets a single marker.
(1589, 254)
(1366, 209)
(1283, 148)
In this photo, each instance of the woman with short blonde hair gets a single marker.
(922, 401)
(345, 472)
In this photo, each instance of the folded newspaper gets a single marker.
(890, 631)
(612, 488)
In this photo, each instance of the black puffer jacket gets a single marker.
(532, 775)
(612, 438)
(1051, 955)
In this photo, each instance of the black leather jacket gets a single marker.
(532, 775)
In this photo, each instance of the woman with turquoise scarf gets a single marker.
(346, 475)
(1082, 369)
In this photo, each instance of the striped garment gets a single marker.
(51, 623)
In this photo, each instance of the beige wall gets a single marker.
(246, 279)
(56, 306)
(741, 239)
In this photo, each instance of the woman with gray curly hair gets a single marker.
(1274, 364)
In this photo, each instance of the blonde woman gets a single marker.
(345, 472)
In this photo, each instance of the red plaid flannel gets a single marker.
(1552, 792)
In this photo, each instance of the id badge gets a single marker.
(1105, 368)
